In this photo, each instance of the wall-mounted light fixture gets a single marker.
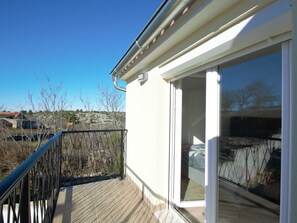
(142, 77)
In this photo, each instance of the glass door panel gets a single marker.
(193, 139)
(189, 160)
(250, 142)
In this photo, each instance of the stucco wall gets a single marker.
(147, 121)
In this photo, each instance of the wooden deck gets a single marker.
(105, 202)
(118, 201)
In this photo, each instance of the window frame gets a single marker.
(212, 132)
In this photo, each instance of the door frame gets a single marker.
(175, 145)
(212, 133)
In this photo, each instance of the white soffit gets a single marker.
(198, 15)
(264, 25)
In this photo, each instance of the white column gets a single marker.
(286, 127)
(211, 134)
(177, 141)
(293, 115)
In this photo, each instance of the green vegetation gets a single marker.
(1, 178)
(70, 116)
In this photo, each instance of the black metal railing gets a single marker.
(30, 192)
(92, 155)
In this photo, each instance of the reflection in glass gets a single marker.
(250, 141)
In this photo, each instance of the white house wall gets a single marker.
(147, 104)
(147, 120)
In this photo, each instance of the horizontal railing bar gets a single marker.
(102, 130)
(268, 138)
(264, 138)
(23, 169)
(84, 180)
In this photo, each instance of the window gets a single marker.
(249, 157)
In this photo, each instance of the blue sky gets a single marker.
(76, 42)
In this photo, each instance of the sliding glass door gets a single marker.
(249, 153)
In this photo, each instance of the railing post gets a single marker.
(60, 159)
(246, 170)
(24, 201)
(122, 154)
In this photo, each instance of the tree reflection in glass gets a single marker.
(250, 141)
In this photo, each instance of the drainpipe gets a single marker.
(115, 83)
(161, 19)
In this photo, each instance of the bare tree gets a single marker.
(89, 112)
(261, 94)
(87, 103)
(254, 95)
(242, 96)
(52, 103)
(111, 101)
(46, 118)
(12, 151)
(48, 110)
(228, 100)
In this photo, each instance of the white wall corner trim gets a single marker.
(286, 126)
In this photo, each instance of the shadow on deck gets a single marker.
(104, 201)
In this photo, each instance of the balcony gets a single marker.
(77, 176)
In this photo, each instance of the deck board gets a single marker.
(105, 201)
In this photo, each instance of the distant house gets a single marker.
(16, 120)
(5, 123)
(12, 115)
(211, 110)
